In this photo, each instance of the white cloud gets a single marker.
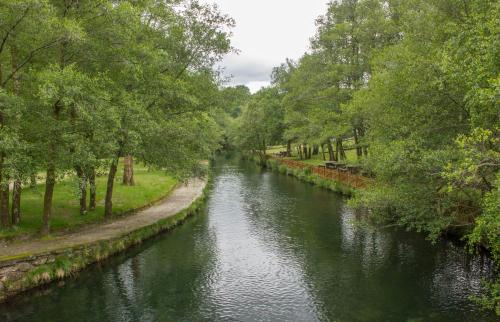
(268, 32)
(256, 86)
(244, 69)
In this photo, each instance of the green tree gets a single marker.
(261, 124)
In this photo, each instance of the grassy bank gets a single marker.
(150, 186)
(307, 176)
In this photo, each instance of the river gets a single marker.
(268, 247)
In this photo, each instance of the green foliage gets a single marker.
(434, 146)
(232, 103)
(486, 230)
(413, 88)
(273, 165)
(234, 100)
(486, 233)
(83, 83)
(261, 123)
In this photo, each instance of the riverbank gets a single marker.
(26, 265)
(333, 180)
(269, 245)
(151, 186)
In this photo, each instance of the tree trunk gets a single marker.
(289, 148)
(340, 150)
(323, 152)
(16, 191)
(16, 202)
(128, 171)
(92, 199)
(82, 187)
(315, 149)
(4, 181)
(4, 195)
(363, 148)
(4, 204)
(337, 150)
(33, 180)
(304, 151)
(50, 182)
(83, 195)
(108, 202)
(330, 150)
(309, 153)
(359, 149)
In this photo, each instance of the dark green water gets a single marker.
(269, 248)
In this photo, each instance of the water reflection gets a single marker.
(269, 248)
(255, 278)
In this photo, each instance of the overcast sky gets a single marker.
(267, 32)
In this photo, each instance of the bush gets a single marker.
(302, 175)
(272, 164)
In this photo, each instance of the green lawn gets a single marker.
(149, 186)
(315, 159)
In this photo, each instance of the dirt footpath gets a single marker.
(180, 198)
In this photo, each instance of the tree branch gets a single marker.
(28, 58)
(7, 35)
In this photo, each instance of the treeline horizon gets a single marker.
(84, 83)
(414, 87)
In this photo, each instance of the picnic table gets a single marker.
(334, 165)
(354, 169)
(281, 154)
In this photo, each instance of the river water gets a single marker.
(269, 248)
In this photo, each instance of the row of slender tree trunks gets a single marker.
(87, 182)
(306, 151)
(337, 153)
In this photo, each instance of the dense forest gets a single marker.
(84, 84)
(412, 88)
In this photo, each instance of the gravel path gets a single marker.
(181, 198)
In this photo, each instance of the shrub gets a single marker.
(272, 164)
